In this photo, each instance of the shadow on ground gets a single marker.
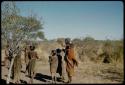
(4, 82)
(22, 81)
(44, 78)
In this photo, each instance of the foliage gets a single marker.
(16, 29)
(96, 50)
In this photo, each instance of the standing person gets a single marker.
(59, 69)
(70, 60)
(53, 60)
(16, 68)
(31, 66)
(61, 55)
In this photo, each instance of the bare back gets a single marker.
(32, 55)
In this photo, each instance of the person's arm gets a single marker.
(75, 61)
(73, 57)
(36, 56)
(50, 59)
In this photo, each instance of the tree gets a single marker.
(16, 29)
(11, 20)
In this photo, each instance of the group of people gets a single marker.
(16, 68)
(30, 60)
(61, 61)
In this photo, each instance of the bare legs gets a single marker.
(69, 78)
(53, 77)
(32, 77)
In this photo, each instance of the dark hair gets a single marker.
(32, 47)
(53, 52)
(58, 50)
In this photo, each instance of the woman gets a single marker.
(31, 66)
(70, 61)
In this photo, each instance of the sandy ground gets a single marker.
(84, 73)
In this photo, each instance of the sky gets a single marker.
(77, 19)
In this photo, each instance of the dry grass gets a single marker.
(88, 71)
(91, 68)
(100, 73)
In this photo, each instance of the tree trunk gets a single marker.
(10, 69)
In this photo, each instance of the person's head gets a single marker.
(58, 50)
(53, 52)
(32, 47)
